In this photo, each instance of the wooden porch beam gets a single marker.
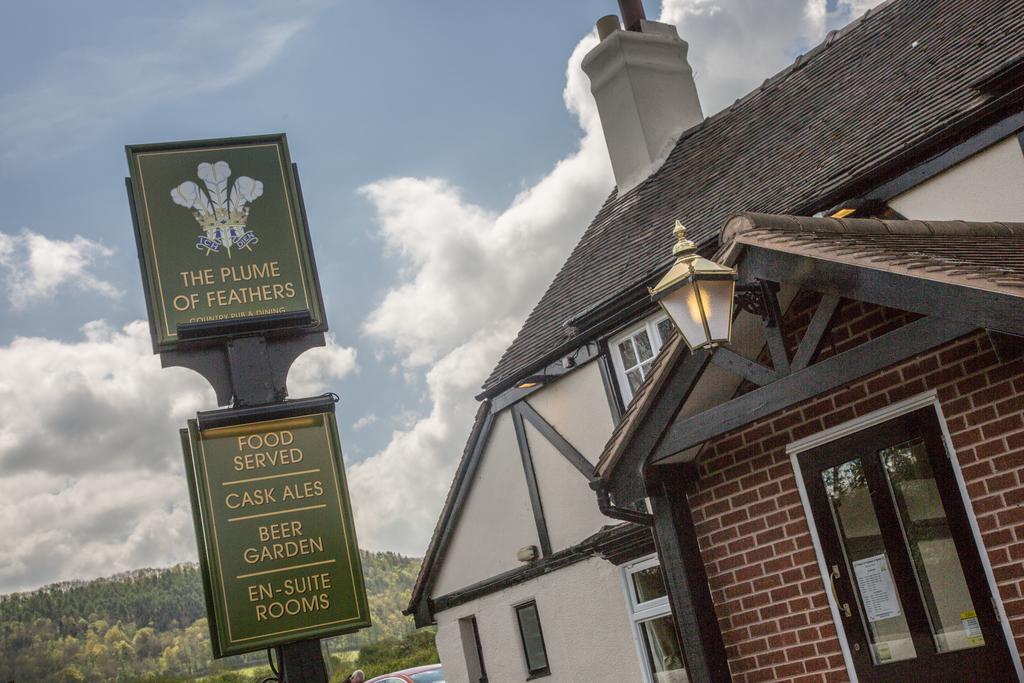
(831, 373)
(815, 331)
(568, 451)
(626, 481)
(686, 579)
(531, 481)
(750, 370)
(979, 307)
(772, 324)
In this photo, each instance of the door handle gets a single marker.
(843, 606)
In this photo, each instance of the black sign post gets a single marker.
(231, 285)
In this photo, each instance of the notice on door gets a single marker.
(877, 590)
(279, 554)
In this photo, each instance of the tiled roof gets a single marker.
(857, 109)
(979, 255)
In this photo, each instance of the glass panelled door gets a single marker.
(902, 563)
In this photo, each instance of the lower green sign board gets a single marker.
(278, 550)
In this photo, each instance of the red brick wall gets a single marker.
(768, 592)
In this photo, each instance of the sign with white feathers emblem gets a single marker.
(222, 237)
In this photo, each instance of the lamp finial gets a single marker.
(683, 246)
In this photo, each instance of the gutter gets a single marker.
(604, 504)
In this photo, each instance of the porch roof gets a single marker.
(980, 255)
(960, 255)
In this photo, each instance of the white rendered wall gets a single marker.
(583, 616)
(986, 187)
(497, 518)
(570, 506)
(576, 405)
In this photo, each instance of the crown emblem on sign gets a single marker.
(222, 214)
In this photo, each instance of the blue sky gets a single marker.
(450, 157)
(364, 91)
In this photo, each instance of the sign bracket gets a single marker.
(252, 370)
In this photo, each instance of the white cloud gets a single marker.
(37, 267)
(417, 463)
(471, 274)
(467, 267)
(87, 90)
(736, 44)
(312, 372)
(364, 422)
(93, 480)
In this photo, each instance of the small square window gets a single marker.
(648, 584)
(633, 353)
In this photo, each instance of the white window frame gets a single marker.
(643, 611)
(653, 334)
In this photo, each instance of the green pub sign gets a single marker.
(221, 235)
(277, 544)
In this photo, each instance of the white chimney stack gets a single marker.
(644, 90)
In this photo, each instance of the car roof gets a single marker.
(406, 672)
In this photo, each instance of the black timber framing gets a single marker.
(568, 451)
(617, 544)
(421, 610)
(626, 483)
(574, 358)
(611, 383)
(685, 577)
(750, 370)
(816, 329)
(980, 307)
(531, 481)
(424, 608)
(831, 373)
(771, 322)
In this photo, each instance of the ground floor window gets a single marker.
(472, 650)
(654, 629)
(532, 637)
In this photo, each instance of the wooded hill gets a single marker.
(150, 624)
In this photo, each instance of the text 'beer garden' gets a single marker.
(277, 520)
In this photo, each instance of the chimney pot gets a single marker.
(632, 12)
(607, 25)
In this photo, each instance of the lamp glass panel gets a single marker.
(681, 305)
(717, 296)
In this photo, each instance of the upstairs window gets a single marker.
(634, 350)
